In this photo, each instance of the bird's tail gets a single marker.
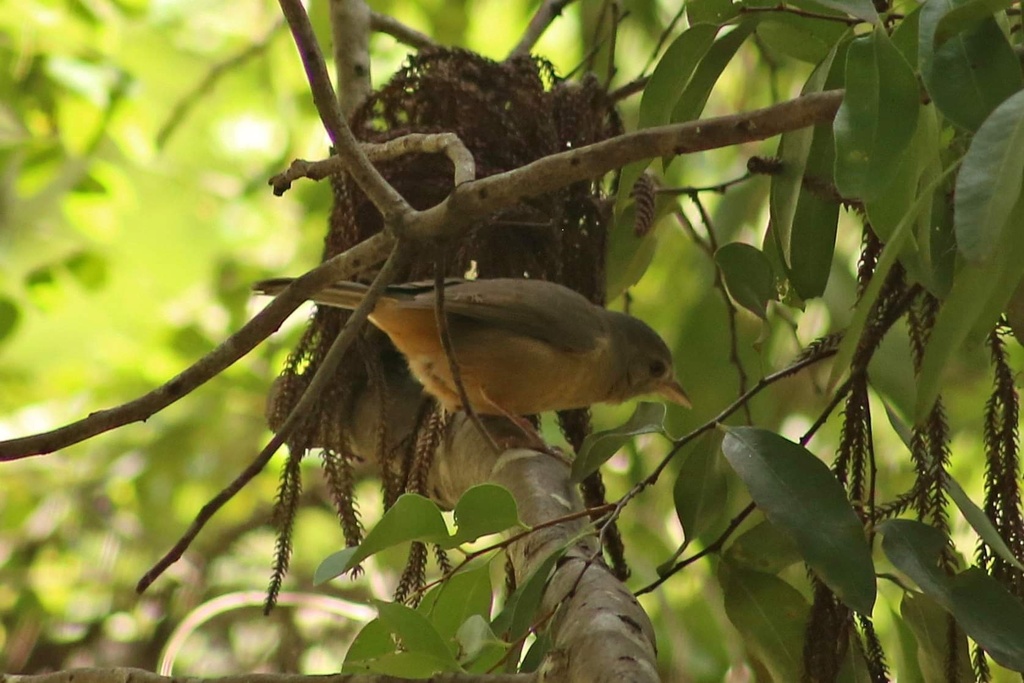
(341, 294)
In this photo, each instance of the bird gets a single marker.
(522, 346)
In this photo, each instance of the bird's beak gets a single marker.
(670, 390)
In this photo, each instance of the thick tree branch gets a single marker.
(600, 633)
(350, 30)
(472, 201)
(468, 203)
(387, 200)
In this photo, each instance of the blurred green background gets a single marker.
(131, 228)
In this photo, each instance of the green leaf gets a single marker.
(748, 276)
(521, 607)
(771, 616)
(648, 418)
(989, 181)
(915, 549)
(465, 594)
(372, 642)
(696, 92)
(415, 632)
(929, 623)
(672, 74)
(796, 214)
(808, 40)
(701, 489)
(966, 16)
(629, 254)
(862, 9)
(411, 518)
(980, 522)
(800, 495)
(990, 615)
(813, 234)
(876, 121)
(764, 548)
(972, 72)
(478, 644)
(10, 314)
(538, 651)
(483, 509)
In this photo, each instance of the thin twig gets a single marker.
(548, 11)
(720, 188)
(730, 308)
(719, 542)
(449, 352)
(262, 325)
(393, 208)
(712, 547)
(848, 20)
(325, 374)
(383, 23)
(448, 144)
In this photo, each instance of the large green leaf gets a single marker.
(876, 121)
(803, 223)
(764, 548)
(483, 509)
(465, 594)
(771, 616)
(696, 92)
(972, 72)
(748, 276)
(980, 522)
(989, 614)
(966, 16)
(800, 495)
(929, 623)
(701, 488)
(989, 181)
(647, 418)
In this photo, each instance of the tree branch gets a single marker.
(383, 23)
(472, 201)
(354, 261)
(548, 11)
(350, 31)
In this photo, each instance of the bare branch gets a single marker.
(350, 31)
(548, 11)
(382, 23)
(353, 261)
(387, 200)
(447, 143)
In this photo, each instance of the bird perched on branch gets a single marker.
(521, 346)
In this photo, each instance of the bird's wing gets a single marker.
(531, 308)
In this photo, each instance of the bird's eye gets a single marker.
(657, 368)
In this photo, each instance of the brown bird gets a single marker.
(522, 346)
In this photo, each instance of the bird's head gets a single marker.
(646, 362)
